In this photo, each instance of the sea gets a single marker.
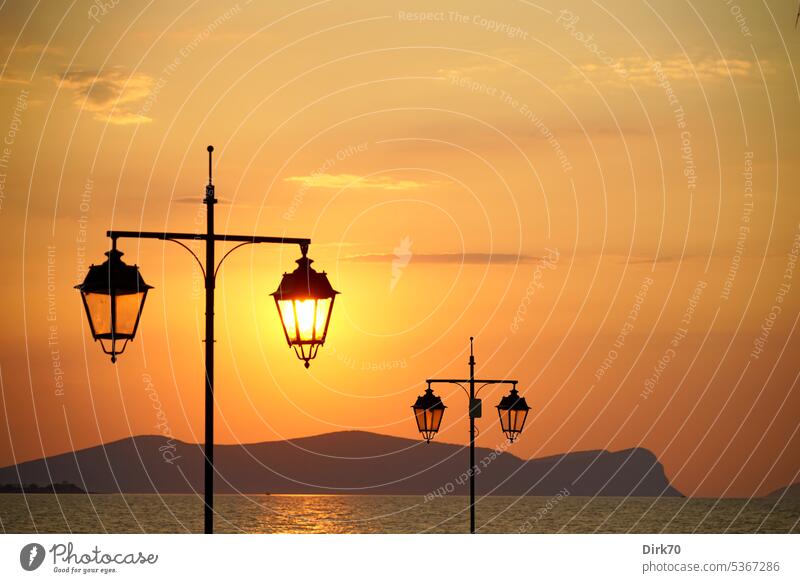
(178, 513)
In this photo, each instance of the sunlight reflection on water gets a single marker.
(391, 514)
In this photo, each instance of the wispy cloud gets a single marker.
(458, 258)
(645, 260)
(112, 95)
(355, 181)
(13, 78)
(496, 61)
(642, 71)
(10, 78)
(36, 49)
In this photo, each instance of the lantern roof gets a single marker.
(429, 401)
(304, 283)
(513, 402)
(113, 275)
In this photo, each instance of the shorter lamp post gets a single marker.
(513, 411)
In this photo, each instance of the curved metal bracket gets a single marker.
(463, 388)
(216, 269)
(503, 382)
(449, 382)
(196, 258)
(303, 250)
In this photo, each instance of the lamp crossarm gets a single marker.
(202, 237)
(481, 382)
(178, 237)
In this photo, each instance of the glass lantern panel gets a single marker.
(323, 307)
(305, 318)
(518, 419)
(312, 316)
(286, 308)
(505, 420)
(428, 420)
(99, 308)
(435, 419)
(419, 416)
(128, 307)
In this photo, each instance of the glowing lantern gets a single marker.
(305, 301)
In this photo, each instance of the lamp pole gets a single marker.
(475, 412)
(208, 451)
(210, 268)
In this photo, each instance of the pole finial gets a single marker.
(471, 338)
(210, 150)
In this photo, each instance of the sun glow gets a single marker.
(305, 319)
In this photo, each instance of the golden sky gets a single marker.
(603, 194)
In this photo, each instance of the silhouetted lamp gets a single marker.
(305, 301)
(513, 411)
(428, 412)
(113, 294)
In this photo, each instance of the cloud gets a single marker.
(642, 71)
(493, 62)
(354, 181)
(458, 258)
(112, 95)
(36, 49)
(10, 78)
(645, 260)
(470, 70)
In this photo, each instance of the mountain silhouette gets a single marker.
(790, 491)
(346, 462)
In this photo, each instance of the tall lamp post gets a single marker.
(113, 296)
(429, 411)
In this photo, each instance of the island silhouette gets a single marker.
(346, 462)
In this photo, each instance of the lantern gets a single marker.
(428, 412)
(113, 295)
(305, 301)
(513, 411)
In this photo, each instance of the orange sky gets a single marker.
(602, 194)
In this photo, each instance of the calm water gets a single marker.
(392, 514)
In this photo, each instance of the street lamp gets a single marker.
(428, 411)
(113, 294)
(305, 300)
(513, 410)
